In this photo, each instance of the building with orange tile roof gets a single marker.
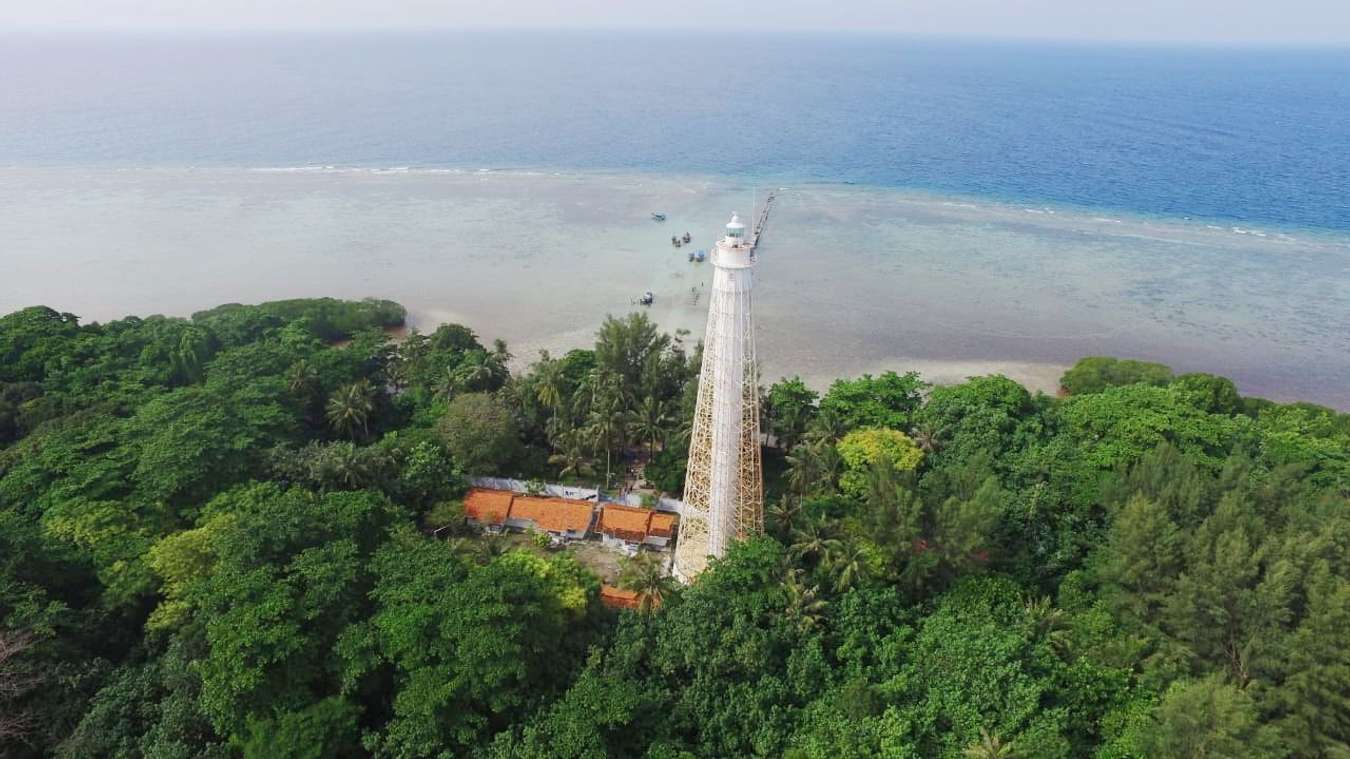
(560, 516)
(488, 508)
(618, 598)
(662, 527)
(621, 525)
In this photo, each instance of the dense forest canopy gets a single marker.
(240, 535)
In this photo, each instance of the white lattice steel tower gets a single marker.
(724, 489)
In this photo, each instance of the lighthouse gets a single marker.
(724, 488)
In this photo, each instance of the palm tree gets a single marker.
(607, 421)
(350, 407)
(645, 575)
(548, 382)
(828, 426)
(477, 371)
(301, 379)
(571, 457)
(812, 542)
(849, 566)
(811, 465)
(804, 607)
(489, 547)
(606, 429)
(650, 422)
(803, 470)
(191, 355)
(1051, 623)
(990, 747)
(783, 516)
(341, 466)
(926, 437)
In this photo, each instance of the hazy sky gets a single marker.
(1245, 21)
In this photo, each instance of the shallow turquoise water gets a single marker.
(850, 279)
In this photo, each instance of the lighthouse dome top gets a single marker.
(735, 228)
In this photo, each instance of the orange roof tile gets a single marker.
(624, 521)
(618, 598)
(553, 514)
(663, 525)
(488, 506)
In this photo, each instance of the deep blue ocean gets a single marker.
(1247, 135)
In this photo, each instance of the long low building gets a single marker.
(558, 516)
(622, 526)
(493, 510)
(488, 508)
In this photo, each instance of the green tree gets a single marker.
(990, 747)
(1208, 718)
(650, 422)
(791, 406)
(863, 449)
(886, 401)
(645, 575)
(1141, 559)
(469, 648)
(480, 433)
(349, 409)
(1096, 373)
(327, 728)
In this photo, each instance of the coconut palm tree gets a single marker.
(644, 575)
(342, 466)
(1051, 624)
(812, 465)
(803, 470)
(489, 547)
(571, 457)
(849, 565)
(606, 428)
(990, 747)
(548, 382)
(607, 422)
(783, 516)
(350, 407)
(812, 542)
(189, 358)
(650, 421)
(479, 370)
(926, 437)
(804, 606)
(827, 426)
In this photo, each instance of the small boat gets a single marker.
(658, 217)
(687, 238)
(698, 256)
(647, 298)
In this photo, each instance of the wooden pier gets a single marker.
(761, 221)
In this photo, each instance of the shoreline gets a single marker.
(852, 279)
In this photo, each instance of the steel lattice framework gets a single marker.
(724, 491)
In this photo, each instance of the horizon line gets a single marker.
(867, 31)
